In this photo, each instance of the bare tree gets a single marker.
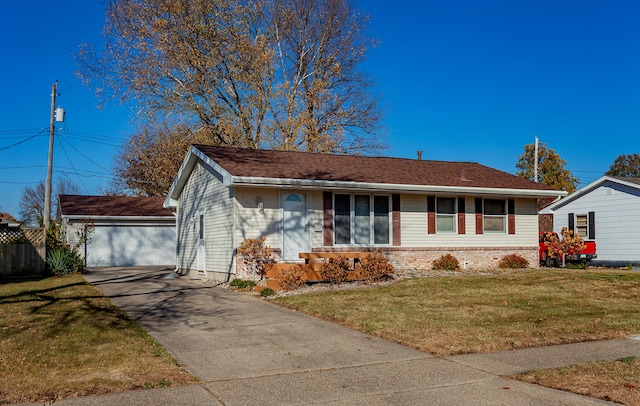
(251, 73)
(31, 205)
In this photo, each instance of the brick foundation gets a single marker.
(421, 259)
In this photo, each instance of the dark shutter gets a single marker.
(511, 216)
(479, 225)
(431, 214)
(327, 203)
(570, 224)
(461, 216)
(592, 225)
(395, 219)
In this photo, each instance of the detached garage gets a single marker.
(120, 230)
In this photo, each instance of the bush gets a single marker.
(256, 255)
(376, 267)
(242, 284)
(513, 261)
(447, 262)
(292, 278)
(63, 260)
(335, 270)
(267, 292)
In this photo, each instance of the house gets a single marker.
(413, 211)
(607, 211)
(120, 230)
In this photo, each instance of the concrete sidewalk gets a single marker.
(247, 351)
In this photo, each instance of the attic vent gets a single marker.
(419, 155)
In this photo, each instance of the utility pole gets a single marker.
(47, 187)
(535, 161)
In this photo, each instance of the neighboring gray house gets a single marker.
(608, 212)
(412, 210)
(122, 230)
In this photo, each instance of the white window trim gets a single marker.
(352, 219)
(454, 216)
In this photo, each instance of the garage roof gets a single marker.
(112, 206)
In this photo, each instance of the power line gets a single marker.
(21, 142)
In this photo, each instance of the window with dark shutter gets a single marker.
(592, 225)
(431, 214)
(479, 216)
(461, 215)
(570, 223)
(327, 199)
(511, 216)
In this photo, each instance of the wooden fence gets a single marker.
(22, 252)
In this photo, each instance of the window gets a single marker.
(446, 214)
(581, 225)
(495, 215)
(361, 219)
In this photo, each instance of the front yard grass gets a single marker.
(60, 337)
(454, 315)
(478, 314)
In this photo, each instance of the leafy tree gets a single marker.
(279, 74)
(31, 205)
(149, 161)
(551, 170)
(625, 166)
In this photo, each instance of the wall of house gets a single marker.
(205, 193)
(419, 249)
(617, 222)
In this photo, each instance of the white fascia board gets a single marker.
(185, 171)
(321, 184)
(581, 192)
(589, 188)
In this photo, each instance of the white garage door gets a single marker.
(132, 246)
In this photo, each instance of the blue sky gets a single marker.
(460, 80)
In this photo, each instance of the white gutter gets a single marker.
(334, 185)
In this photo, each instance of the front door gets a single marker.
(201, 245)
(295, 227)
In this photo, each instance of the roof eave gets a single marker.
(184, 173)
(118, 218)
(364, 186)
(590, 187)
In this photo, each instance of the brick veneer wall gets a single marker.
(421, 259)
(470, 258)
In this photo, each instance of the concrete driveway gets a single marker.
(251, 352)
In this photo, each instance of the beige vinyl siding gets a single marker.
(413, 219)
(204, 192)
(316, 219)
(250, 222)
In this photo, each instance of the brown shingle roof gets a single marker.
(112, 206)
(351, 168)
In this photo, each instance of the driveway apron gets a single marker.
(247, 351)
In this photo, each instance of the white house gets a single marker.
(413, 211)
(607, 211)
(121, 230)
